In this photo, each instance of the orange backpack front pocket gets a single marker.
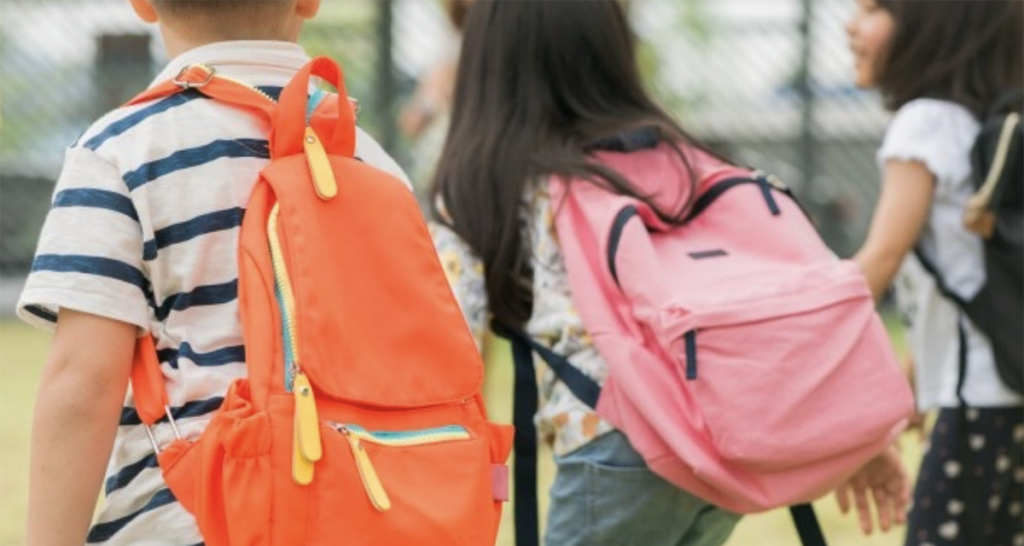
(426, 486)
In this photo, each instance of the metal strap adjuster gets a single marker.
(174, 428)
(185, 84)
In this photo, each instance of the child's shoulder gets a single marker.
(137, 130)
(934, 114)
(934, 121)
(110, 125)
(938, 133)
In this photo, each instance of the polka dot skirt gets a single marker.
(978, 448)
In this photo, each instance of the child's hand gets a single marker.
(887, 480)
(917, 422)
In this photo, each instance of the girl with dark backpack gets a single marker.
(941, 66)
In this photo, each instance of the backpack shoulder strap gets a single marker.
(525, 402)
(148, 389)
(205, 80)
(940, 282)
(581, 385)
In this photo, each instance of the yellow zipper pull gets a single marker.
(302, 468)
(374, 489)
(319, 165)
(308, 449)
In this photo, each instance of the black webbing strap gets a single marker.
(940, 282)
(582, 386)
(525, 479)
(807, 525)
(524, 408)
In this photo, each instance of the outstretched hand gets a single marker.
(885, 479)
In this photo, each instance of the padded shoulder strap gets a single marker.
(147, 382)
(149, 391)
(205, 80)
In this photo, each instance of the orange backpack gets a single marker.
(361, 421)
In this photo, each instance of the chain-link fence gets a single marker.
(769, 82)
(766, 81)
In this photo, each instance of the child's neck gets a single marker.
(176, 43)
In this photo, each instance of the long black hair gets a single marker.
(539, 82)
(966, 51)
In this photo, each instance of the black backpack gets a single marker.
(996, 213)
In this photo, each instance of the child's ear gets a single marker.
(306, 9)
(145, 10)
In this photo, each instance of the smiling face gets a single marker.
(870, 31)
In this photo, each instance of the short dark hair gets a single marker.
(966, 51)
(197, 7)
(229, 19)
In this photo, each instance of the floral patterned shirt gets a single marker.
(563, 420)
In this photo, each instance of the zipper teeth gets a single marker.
(407, 437)
(284, 285)
(256, 90)
(210, 70)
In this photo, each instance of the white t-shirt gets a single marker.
(940, 135)
(144, 229)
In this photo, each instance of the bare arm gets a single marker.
(900, 215)
(76, 418)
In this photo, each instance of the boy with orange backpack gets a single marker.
(210, 198)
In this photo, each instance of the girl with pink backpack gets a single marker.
(743, 398)
(538, 85)
(941, 65)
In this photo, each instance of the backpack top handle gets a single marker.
(289, 132)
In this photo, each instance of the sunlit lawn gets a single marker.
(22, 351)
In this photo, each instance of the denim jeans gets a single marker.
(604, 495)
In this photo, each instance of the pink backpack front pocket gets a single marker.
(779, 385)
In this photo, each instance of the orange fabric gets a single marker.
(383, 344)
(148, 382)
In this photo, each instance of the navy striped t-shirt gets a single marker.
(144, 229)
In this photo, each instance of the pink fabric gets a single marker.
(797, 383)
(499, 482)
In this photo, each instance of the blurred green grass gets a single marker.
(22, 351)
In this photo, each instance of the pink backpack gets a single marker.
(747, 364)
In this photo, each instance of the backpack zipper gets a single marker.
(306, 449)
(286, 300)
(356, 435)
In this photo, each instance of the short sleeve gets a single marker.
(465, 273)
(89, 255)
(937, 133)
